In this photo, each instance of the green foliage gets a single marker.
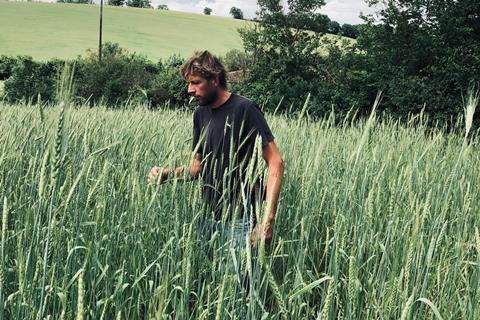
(119, 76)
(139, 3)
(169, 84)
(7, 63)
(349, 31)
(285, 52)
(424, 55)
(235, 60)
(117, 3)
(333, 27)
(343, 82)
(32, 80)
(207, 11)
(76, 1)
(162, 7)
(236, 13)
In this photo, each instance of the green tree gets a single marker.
(285, 51)
(31, 80)
(349, 31)
(207, 11)
(76, 1)
(117, 3)
(236, 13)
(333, 27)
(235, 60)
(169, 84)
(139, 3)
(7, 63)
(424, 54)
(119, 76)
(162, 7)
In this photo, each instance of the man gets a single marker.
(226, 127)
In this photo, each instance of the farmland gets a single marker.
(377, 220)
(45, 31)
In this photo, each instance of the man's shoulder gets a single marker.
(243, 101)
(246, 106)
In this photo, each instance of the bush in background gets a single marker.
(32, 80)
(285, 46)
(7, 63)
(169, 84)
(120, 75)
(235, 60)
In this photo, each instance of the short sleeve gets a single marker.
(257, 125)
(196, 147)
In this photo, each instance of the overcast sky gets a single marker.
(343, 11)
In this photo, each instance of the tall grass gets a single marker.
(376, 220)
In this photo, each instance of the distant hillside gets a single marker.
(46, 30)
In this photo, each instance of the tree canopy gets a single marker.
(207, 11)
(117, 3)
(139, 3)
(283, 48)
(424, 53)
(236, 13)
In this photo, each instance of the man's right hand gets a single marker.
(153, 175)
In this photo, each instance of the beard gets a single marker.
(208, 98)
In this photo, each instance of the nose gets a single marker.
(191, 89)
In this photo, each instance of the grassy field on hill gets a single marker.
(364, 230)
(45, 30)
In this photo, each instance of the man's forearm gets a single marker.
(274, 185)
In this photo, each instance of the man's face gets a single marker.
(203, 90)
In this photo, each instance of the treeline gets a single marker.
(423, 55)
(333, 27)
(121, 3)
(422, 58)
(119, 77)
(129, 3)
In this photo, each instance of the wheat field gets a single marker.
(376, 220)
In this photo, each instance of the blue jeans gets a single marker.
(231, 235)
(229, 241)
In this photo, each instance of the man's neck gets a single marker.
(223, 96)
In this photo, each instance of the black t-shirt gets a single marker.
(225, 137)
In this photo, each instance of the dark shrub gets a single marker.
(169, 85)
(30, 79)
(7, 63)
(119, 76)
(236, 60)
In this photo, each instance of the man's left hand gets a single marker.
(262, 230)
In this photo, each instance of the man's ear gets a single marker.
(216, 80)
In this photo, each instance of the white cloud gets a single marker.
(343, 11)
(219, 8)
(346, 11)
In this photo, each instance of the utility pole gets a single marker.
(100, 33)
